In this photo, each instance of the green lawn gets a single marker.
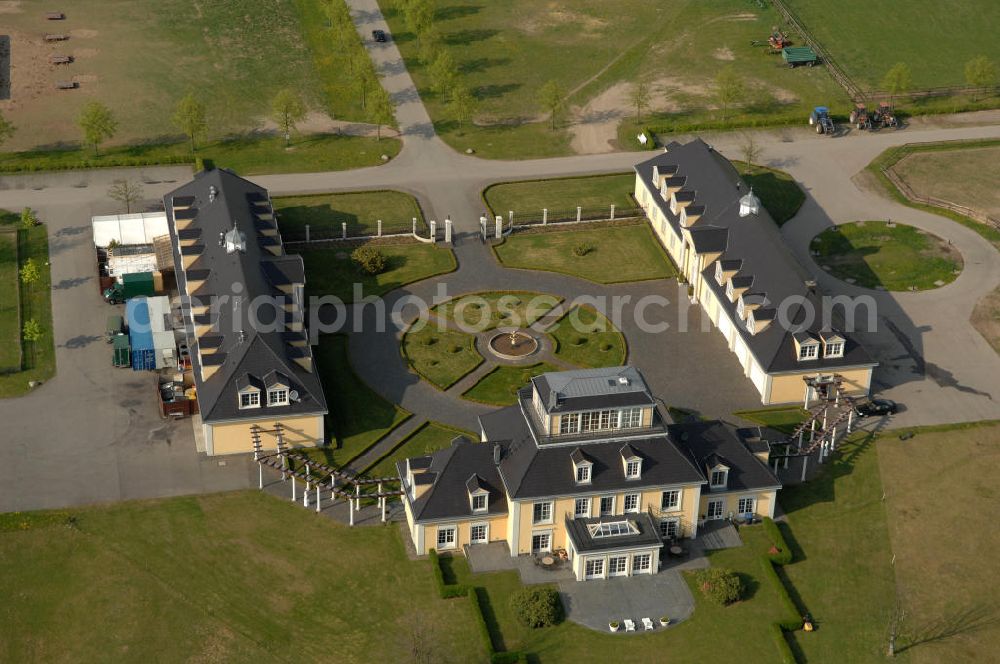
(896, 258)
(966, 176)
(361, 210)
(441, 356)
(842, 570)
(330, 270)
(358, 417)
(10, 304)
(491, 309)
(866, 40)
(736, 633)
(783, 419)
(778, 192)
(586, 338)
(561, 196)
(250, 155)
(499, 387)
(234, 577)
(619, 254)
(39, 362)
(425, 440)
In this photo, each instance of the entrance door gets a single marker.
(617, 565)
(541, 542)
(715, 509)
(479, 534)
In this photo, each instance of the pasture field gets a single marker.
(964, 176)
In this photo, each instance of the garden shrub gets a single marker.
(780, 554)
(583, 248)
(369, 259)
(446, 591)
(537, 606)
(722, 586)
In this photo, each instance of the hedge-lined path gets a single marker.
(385, 445)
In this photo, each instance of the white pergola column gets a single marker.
(305, 495)
(260, 475)
(318, 499)
(350, 512)
(293, 489)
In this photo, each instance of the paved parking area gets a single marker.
(594, 604)
(93, 433)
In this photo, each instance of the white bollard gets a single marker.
(414, 226)
(482, 228)
(510, 216)
(579, 212)
(293, 488)
(612, 212)
(447, 230)
(499, 227)
(433, 231)
(305, 495)
(318, 499)
(343, 230)
(545, 216)
(379, 228)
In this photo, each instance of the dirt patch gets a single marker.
(85, 52)
(746, 16)
(30, 71)
(83, 33)
(986, 318)
(556, 14)
(595, 126)
(316, 122)
(724, 53)
(10, 7)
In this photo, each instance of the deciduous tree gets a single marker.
(461, 102)
(897, 79)
(551, 96)
(126, 192)
(729, 90)
(287, 110)
(640, 98)
(30, 275)
(443, 72)
(380, 109)
(32, 333)
(750, 150)
(98, 124)
(981, 72)
(419, 15)
(189, 117)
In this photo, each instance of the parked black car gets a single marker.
(877, 407)
(379, 35)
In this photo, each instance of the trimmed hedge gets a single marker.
(496, 657)
(793, 621)
(784, 650)
(445, 590)
(784, 554)
(122, 162)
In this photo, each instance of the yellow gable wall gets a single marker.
(497, 531)
(301, 431)
(649, 498)
(790, 388)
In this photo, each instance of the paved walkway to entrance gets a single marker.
(594, 604)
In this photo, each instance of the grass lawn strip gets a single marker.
(619, 253)
(330, 270)
(782, 418)
(941, 579)
(429, 438)
(561, 196)
(358, 416)
(441, 356)
(586, 338)
(499, 308)
(898, 257)
(963, 176)
(499, 387)
(841, 569)
(778, 192)
(221, 578)
(39, 359)
(10, 303)
(324, 214)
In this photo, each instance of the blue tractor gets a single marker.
(820, 118)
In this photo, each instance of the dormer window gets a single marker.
(479, 494)
(729, 290)
(250, 398)
(582, 466)
(277, 397)
(719, 276)
(740, 308)
(751, 324)
(719, 478)
(834, 349)
(632, 463)
(809, 350)
(583, 473)
(479, 502)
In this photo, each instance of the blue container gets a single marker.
(140, 334)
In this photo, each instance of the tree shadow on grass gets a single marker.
(455, 11)
(481, 64)
(466, 37)
(964, 621)
(493, 91)
(490, 618)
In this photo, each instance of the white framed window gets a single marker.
(607, 505)
(446, 537)
(670, 500)
(669, 528)
(633, 469)
(631, 502)
(541, 542)
(479, 503)
(569, 423)
(250, 399)
(715, 509)
(583, 473)
(542, 513)
(718, 478)
(617, 565)
(642, 563)
(594, 568)
(479, 533)
(631, 418)
(278, 397)
(808, 351)
(745, 505)
(581, 508)
(834, 349)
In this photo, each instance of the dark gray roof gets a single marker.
(714, 442)
(450, 472)
(583, 389)
(764, 259)
(647, 535)
(243, 349)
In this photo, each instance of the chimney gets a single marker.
(496, 455)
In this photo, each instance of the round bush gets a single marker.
(583, 248)
(606, 347)
(720, 585)
(455, 349)
(537, 607)
(579, 341)
(369, 259)
(430, 341)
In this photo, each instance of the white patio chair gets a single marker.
(629, 625)
(647, 623)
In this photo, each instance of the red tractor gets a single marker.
(860, 118)
(884, 116)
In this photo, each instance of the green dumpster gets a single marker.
(137, 283)
(115, 325)
(122, 352)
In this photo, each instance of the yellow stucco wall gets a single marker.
(301, 431)
(497, 531)
(789, 388)
(762, 506)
